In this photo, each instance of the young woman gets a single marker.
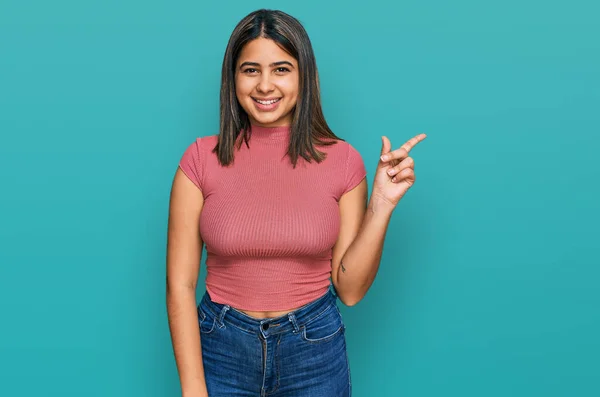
(281, 203)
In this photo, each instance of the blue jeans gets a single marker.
(300, 354)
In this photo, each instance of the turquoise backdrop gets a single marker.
(489, 282)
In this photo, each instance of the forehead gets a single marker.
(264, 51)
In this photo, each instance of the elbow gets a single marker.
(180, 287)
(351, 300)
(351, 303)
(348, 298)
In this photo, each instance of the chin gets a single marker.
(269, 121)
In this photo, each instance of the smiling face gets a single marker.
(266, 83)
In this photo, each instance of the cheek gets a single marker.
(290, 88)
(242, 88)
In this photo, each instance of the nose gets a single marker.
(265, 84)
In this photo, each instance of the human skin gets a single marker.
(264, 71)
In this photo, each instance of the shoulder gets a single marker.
(207, 141)
(344, 151)
(193, 161)
(335, 147)
(201, 145)
(344, 162)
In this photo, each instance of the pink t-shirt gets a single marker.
(269, 229)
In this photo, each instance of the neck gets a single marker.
(270, 134)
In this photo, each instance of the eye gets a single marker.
(249, 70)
(282, 69)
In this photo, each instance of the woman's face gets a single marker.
(266, 83)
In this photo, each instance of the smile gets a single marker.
(266, 102)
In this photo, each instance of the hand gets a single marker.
(395, 172)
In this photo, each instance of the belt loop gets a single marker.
(292, 319)
(332, 288)
(201, 314)
(222, 314)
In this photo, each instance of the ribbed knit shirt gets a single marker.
(269, 229)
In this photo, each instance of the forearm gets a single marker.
(360, 263)
(185, 337)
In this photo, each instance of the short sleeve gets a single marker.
(355, 169)
(192, 163)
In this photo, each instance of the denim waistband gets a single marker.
(292, 321)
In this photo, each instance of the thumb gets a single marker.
(386, 145)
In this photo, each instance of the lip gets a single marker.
(266, 108)
(267, 99)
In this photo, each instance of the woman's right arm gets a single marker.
(184, 250)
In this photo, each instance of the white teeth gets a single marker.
(266, 102)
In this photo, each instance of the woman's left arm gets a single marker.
(357, 253)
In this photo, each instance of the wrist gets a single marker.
(196, 392)
(380, 204)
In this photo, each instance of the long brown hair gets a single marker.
(309, 127)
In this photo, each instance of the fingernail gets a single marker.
(384, 158)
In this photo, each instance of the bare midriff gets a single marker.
(268, 314)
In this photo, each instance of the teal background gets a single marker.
(488, 284)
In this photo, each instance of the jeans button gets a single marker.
(265, 326)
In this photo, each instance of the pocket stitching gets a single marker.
(204, 317)
(325, 338)
(201, 314)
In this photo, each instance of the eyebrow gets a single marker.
(271, 65)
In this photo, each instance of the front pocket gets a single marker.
(206, 322)
(325, 327)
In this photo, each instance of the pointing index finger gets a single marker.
(411, 143)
